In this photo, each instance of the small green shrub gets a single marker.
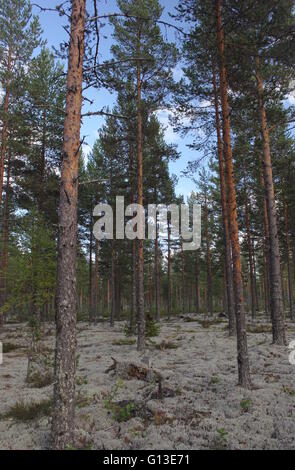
(128, 330)
(214, 380)
(81, 380)
(221, 439)
(123, 411)
(246, 404)
(290, 391)
(152, 328)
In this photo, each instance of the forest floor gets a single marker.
(201, 406)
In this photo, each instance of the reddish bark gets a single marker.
(277, 308)
(227, 249)
(243, 360)
(265, 244)
(250, 252)
(66, 297)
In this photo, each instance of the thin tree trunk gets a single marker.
(66, 298)
(96, 282)
(4, 257)
(113, 299)
(293, 252)
(140, 276)
(182, 279)
(226, 235)
(5, 121)
(277, 309)
(43, 160)
(134, 266)
(209, 270)
(90, 271)
(254, 277)
(157, 271)
(118, 300)
(290, 287)
(169, 271)
(197, 282)
(108, 295)
(250, 253)
(133, 287)
(265, 243)
(243, 359)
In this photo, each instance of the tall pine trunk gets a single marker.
(209, 270)
(134, 265)
(250, 252)
(243, 359)
(4, 257)
(157, 289)
(140, 275)
(113, 296)
(290, 287)
(169, 271)
(182, 279)
(96, 282)
(90, 300)
(66, 297)
(43, 160)
(276, 298)
(227, 249)
(265, 242)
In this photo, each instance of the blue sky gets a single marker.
(54, 33)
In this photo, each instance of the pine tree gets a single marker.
(19, 36)
(142, 54)
(65, 352)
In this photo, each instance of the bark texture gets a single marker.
(66, 298)
(250, 253)
(140, 273)
(243, 359)
(227, 248)
(276, 298)
(290, 287)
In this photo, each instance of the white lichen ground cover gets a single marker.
(205, 410)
